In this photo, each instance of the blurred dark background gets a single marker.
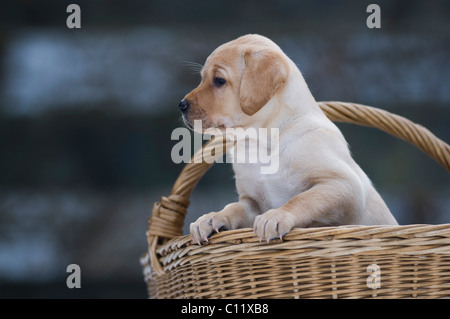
(86, 117)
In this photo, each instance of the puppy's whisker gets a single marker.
(190, 63)
(193, 66)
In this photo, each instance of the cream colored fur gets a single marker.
(317, 183)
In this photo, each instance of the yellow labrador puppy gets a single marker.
(250, 83)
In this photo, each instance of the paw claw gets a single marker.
(273, 224)
(209, 224)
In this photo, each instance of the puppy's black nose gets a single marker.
(184, 106)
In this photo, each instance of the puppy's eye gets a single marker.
(219, 81)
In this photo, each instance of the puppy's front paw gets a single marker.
(207, 224)
(275, 223)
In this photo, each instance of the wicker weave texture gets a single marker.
(329, 262)
(332, 278)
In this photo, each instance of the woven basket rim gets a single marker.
(333, 241)
(356, 232)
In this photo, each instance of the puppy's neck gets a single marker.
(298, 97)
(294, 102)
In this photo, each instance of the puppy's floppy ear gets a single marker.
(264, 73)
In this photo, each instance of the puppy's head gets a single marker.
(238, 79)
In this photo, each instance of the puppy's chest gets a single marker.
(269, 190)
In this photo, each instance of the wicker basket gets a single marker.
(410, 261)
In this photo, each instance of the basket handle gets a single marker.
(168, 215)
